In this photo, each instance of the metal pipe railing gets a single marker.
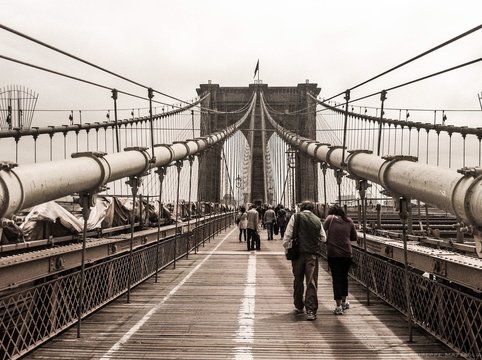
(459, 193)
(27, 185)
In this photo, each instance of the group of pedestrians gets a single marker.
(337, 232)
(273, 220)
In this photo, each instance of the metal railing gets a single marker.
(452, 315)
(30, 317)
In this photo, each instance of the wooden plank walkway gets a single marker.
(228, 303)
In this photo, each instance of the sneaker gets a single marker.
(338, 310)
(310, 315)
(298, 311)
(345, 305)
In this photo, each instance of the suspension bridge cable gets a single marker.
(18, 33)
(95, 66)
(420, 79)
(413, 59)
(77, 79)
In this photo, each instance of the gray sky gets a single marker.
(173, 46)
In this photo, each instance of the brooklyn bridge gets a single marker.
(119, 241)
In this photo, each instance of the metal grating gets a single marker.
(32, 316)
(452, 315)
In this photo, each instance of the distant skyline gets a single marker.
(175, 46)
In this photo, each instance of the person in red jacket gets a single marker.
(340, 232)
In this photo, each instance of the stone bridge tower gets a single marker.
(282, 100)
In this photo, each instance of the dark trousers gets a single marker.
(305, 269)
(253, 240)
(242, 232)
(269, 227)
(282, 229)
(339, 267)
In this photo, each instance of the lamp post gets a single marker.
(238, 186)
(291, 157)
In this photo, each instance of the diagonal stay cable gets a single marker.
(18, 33)
(420, 79)
(412, 59)
(75, 78)
(25, 36)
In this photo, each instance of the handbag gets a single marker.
(294, 251)
(275, 228)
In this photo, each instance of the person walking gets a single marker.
(269, 218)
(281, 220)
(307, 228)
(341, 231)
(252, 228)
(242, 221)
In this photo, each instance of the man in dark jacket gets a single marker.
(310, 235)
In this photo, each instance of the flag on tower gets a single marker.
(256, 69)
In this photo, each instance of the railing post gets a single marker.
(383, 97)
(161, 171)
(362, 188)
(339, 177)
(191, 160)
(134, 182)
(403, 207)
(324, 167)
(86, 201)
(179, 168)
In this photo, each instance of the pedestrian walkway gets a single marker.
(229, 303)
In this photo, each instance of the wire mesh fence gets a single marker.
(452, 315)
(31, 316)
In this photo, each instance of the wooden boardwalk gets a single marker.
(228, 303)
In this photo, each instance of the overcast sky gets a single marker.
(173, 46)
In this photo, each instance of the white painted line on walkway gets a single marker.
(151, 312)
(245, 333)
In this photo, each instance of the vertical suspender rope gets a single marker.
(409, 140)
(383, 97)
(114, 97)
(395, 140)
(418, 142)
(35, 136)
(345, 123)
(51, 135)
(480, 154)
(464, 136)
(450, 150)
(428, 137)
(438, 147)
(87, 131)
(65, 144)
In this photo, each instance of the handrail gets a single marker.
(449, 129)
(459, 193)
(31, 184)
(35, 131)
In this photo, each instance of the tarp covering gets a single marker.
(51, 219)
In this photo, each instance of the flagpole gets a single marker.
(258, 72)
